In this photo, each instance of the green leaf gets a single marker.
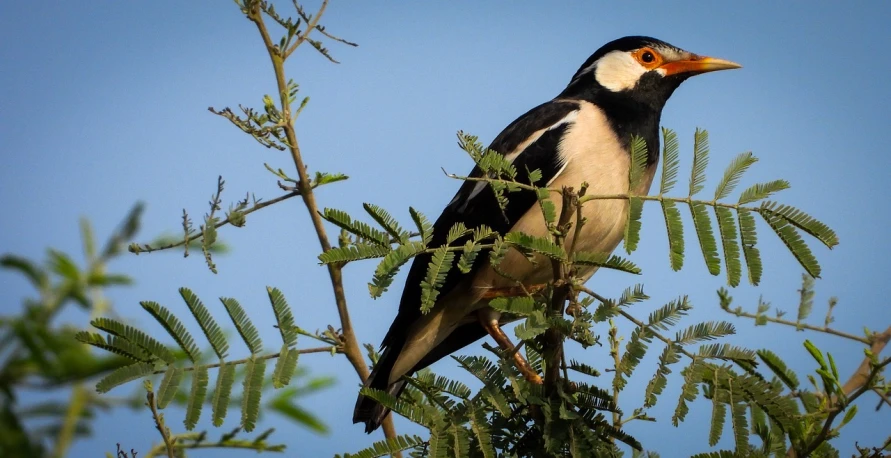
(196, 397)
(787, 233)
(253, 387)
(285, 366)
(734, 172)
(115, 345)
(423, 224)
(389, 266)
(457, 231)
(63, 265)
(806, 297)
(749, 239)
(35, 274)
(528, 244)
(283, 317)
(583, 368)
(480, 426)
(689, 391)
(518, 305)
(703, 225)
(778, 367)
(670, 160)
(632, 224)
(638, 162)
(437, 270)
(386, 221)
(361, 230)
(135, 336)
(802, 221)
(700, 161)
(220, 401)
(606, 261)
(719, 414)
(323, 178)
(351, 253)
(243, 324)
(208, 325)
(675, 229)
(669, 314)
(548, 209)
(123, 375)
(762, 191)
(740, 425)
(282, 404)
(708, 330)
(388, 447)
(468, 256)
(175, 328)
(169, 386)
(727, 230)
(670, 355)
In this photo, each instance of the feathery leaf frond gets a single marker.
(778, 367)
(353, 253)
(437, 270)
(734, 172)
(606, 261)
(703, 225)
(123, 375)
(135, 336)
(803, 221)
(175, 328)
(208, 325)
(386, 221)
(285, 366)
(727, 230)
(675, 228)
(528, 244)
(387, 447)
(423, 225)
(787, 233)
(762, 191)
(389, 266)
(169, 386)
(196, 397)
(254, 371)
(283, 316)
(749, 239)
(700, 161)
(115, 344)
(220, 400)
(632, 224)
(670, 160)
(243, 324)
(638, 165)
(361, 230)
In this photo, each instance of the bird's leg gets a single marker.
(489, 319)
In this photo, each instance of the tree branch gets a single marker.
(351, 347)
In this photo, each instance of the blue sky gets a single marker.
(104, 104)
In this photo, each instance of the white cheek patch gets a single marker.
(618, 71)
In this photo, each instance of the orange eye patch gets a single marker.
(648, 57)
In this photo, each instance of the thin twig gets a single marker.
(159, 423)
(797, 325)
(351, 347)
(552, 336)
(309, 28)
(149, 249)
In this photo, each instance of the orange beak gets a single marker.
(698, 64)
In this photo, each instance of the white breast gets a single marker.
(592, 153)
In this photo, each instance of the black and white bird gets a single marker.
(582, 135)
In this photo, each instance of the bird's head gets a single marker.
(643, 68)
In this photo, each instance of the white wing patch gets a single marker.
(569, 118)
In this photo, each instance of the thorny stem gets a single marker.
(159, 423)
(798, 325)
(351, 347)
(197, 235)
(552, 336)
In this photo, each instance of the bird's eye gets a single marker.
(647, 57)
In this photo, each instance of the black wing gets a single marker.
(475, 206)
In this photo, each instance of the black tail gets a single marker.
(368, 410)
